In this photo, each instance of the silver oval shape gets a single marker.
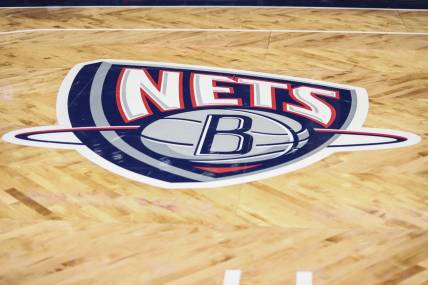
(178, 136)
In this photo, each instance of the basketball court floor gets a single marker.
(352, 217)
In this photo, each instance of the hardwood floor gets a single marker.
(352, 218)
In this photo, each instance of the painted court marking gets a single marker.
(304, 278)
(208, 30)
(218, 6)
(233, 277)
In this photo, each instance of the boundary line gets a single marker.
(232, 277)
(221, 6)
(304, 278)
(208, 30)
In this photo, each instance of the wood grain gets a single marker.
(353, 218)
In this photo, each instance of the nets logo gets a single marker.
(177, 126)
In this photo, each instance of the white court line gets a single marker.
(232, 277)
(209, 30)
(304, 278)
(220, 6)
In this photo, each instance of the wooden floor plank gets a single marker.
(352, 218)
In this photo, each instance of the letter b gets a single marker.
(225, 134)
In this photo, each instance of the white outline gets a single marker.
(355, 125)
(213, 7)
(172, 30)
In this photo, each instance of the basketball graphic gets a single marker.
(178, 136)
(214, 142)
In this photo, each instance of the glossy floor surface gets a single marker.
(353, 218)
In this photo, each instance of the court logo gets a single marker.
(178, 126)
